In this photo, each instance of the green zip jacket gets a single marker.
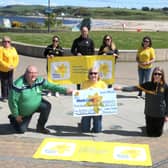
(25, 99)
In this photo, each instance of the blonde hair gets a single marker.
(163, 74)
(94, 69)
(6, 37)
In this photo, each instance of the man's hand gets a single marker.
(166, 118)
(50, 56)
(19, 119)
(69, 91)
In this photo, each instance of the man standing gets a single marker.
(25, 99)
(83, 45)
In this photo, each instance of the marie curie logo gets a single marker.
(105, 68)
(60, 70)
(59, 149)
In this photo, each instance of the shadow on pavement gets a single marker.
(64, 131)
(6, 129)
(126, 96)
(126, 133)
(67, 131)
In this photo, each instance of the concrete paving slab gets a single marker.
(126, 126)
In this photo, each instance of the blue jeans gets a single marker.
(86, 124)
(144, 76)
(44, 110)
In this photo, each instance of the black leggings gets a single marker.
(6, 83)
(154, 126)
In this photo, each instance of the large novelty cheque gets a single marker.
(90, 102)
(74, 69)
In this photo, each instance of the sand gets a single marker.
(129, 25)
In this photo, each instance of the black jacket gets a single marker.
(85, 46)
(58, 51)
(156, 98)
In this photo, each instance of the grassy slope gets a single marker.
(123, 40)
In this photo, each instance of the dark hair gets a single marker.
(81, 28)
(147, 38)
(163, 74)
(104, 38)
(55, 37)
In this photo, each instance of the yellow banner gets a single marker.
(74, 69)
(91, 151)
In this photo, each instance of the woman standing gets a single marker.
(108, 47)
(9, 60)
(92, 82)
(53, 50)
(145, 57)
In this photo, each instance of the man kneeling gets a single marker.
(25, 99)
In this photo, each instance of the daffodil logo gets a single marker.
(133, 154)
(95, 101)
(129, 153)
(59, 149)
(104, 69)
(61, 69)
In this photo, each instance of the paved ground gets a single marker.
(16, 150)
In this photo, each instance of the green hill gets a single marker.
(105, 13)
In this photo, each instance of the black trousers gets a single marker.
(78, 86)
(154, 126)
(6, 83)
(44, 110)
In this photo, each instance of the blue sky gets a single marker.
(92, 3)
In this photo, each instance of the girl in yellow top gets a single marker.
(9, 60)
(92, 82)
(145, 57)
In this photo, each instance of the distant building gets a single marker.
(6, 23)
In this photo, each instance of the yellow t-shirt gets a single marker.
(88, 84)
(8, 58)
(145, 55)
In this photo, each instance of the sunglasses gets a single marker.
(93, 73)
(107, 39)
(146, 41)
(159, 74)
(6, 41)
(55, 41)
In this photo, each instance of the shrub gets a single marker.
(17, 24)
(32, 25)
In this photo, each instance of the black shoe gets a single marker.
(11, 119)
(43, 130)
(5, 100)
(97, 131)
